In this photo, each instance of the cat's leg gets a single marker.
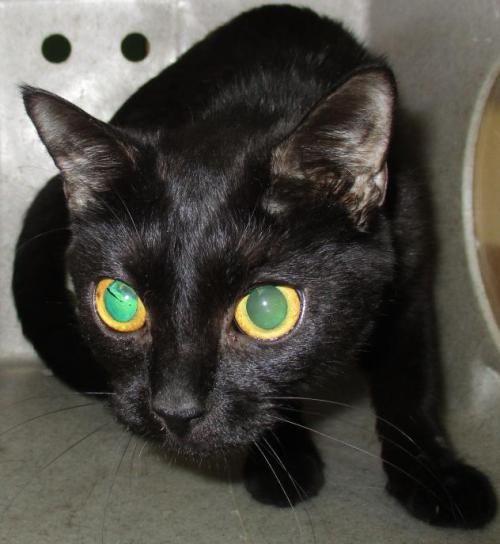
(284, 467)
(423, 471)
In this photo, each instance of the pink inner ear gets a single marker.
(342, 144)
(380, 180)
(89, 153)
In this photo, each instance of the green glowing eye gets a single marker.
(268, 311)
(120, 301)
(266, 307)
(119, 306)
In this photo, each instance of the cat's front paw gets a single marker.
(302, 479)
(456, 496)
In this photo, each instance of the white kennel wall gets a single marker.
(445, 54)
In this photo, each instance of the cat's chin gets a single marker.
(217, 434)
(194, 448)
(202, 452)
(203, 442)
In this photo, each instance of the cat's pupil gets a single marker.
(121, 301)
(267, 307)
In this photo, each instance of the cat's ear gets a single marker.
(339, 150)
(90, 154)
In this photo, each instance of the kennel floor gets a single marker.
(71, 474)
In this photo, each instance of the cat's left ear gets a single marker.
(91, 155)
(339, 150)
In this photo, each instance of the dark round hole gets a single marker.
(56, 48)
(135, 47)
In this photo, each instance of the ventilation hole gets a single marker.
(487, 199)
(56, 48)
(135, 47)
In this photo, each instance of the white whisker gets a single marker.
(49, 464)
(297, 521)
(419, 461)
(298, 488)
(110, 491)
(346, 405)
(360, 450)
(59, 410)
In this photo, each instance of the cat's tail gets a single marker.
(43, 302)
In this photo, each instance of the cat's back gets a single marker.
(272, 60)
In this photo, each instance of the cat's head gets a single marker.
(220, 267)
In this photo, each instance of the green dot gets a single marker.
(56, 48)
(121, 301)
(267, 307)
(135, 47)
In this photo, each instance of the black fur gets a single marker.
(259, 156)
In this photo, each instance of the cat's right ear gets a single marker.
(90, 154)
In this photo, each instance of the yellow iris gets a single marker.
(268, 312)
(119, 306)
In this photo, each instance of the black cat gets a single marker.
(242, 228)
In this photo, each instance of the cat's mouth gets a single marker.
(221, 431)
(206, 438)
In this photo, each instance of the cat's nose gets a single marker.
(178, 420)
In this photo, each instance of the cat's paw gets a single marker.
(302, 479)
(457, 496)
